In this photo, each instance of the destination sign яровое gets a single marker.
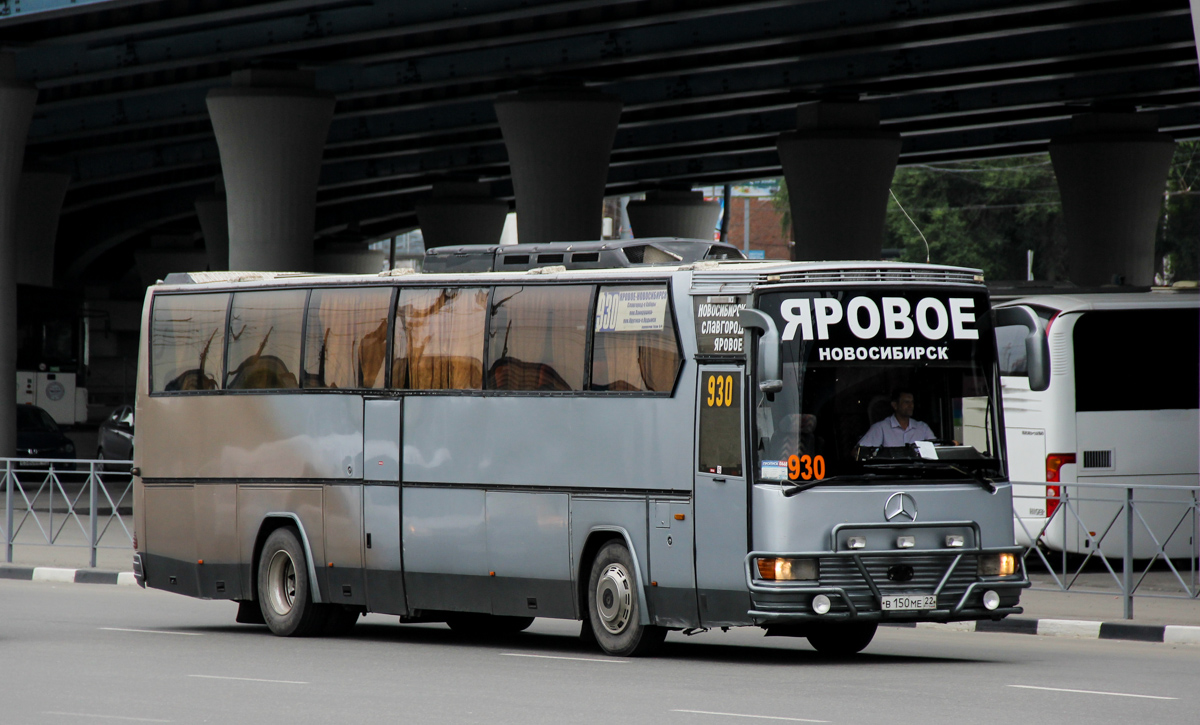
(717, 328)
(879, 327)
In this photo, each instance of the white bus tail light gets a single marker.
(997, 565)
(1054, 464)
(780, 569)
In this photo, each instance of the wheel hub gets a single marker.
(281, 583)
(614, 598)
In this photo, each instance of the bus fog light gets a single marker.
(998, 565)
(991, 600)
(955, 541)
(820, 604)
(906, 542)
(856, 542)
(780, 569)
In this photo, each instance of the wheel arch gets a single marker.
(278, 520)
(597, 537)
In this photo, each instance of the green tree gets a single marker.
(1179, 227)
(984, 214)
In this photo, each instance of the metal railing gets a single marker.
(43, 497)
(1152, 533)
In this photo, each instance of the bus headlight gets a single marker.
(779, 569)
(821, 604)
(998, 565)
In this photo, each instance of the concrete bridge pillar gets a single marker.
(16, 109)
(673, 213)
(271, 128)
(839, 167)
(40, 197)
(1112, 170)
(213, 212)
(461, 213)
(559, 142)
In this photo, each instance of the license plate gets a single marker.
(908, 602)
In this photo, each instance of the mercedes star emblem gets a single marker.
(900, 505)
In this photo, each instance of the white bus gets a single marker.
(579, 442)
(1121, 409)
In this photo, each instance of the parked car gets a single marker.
(38, 436)
(115, 438)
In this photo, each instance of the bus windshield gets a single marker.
(879, 385)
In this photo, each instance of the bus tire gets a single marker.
(613, 608)
(284, 591)
(843, 640)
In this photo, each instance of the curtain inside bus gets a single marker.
(346, 340)
(630, 357)
(187, 347)
(439, 339)
(539, 337)
(264, 339)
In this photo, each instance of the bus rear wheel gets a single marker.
(614, 612)
(843, 640)
(284, 591)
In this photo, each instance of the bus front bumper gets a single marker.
(856, 584)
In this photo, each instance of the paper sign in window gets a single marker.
(636, 310)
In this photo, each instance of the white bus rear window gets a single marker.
(187, 342)
(1137, 360)
(346, 338)
(438, 341)
(264, 340)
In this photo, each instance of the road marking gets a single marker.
(105, 717)
(577, 659)
(756, 717)
(249, 679)
(152, 631)
(1093, 692)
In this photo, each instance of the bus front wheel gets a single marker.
(843, 640)
(284, 591)
(613, 608)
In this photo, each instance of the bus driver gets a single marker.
(897, 429)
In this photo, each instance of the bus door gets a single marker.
(720, 506)
(381, 505)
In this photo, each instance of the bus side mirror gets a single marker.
(1037, 347)
(769, 381)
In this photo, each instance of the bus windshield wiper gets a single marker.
(924, 464)
(799, 487)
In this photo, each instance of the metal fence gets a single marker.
(1145, 539)
(67, 502)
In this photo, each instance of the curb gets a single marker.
(1168, 633)
(67, 576)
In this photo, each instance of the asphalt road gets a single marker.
(91, 654)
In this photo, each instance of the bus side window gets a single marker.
(634, 347)
(346, 338)
(438, 341)
(187, 347)
(264, 339)
(538, 337)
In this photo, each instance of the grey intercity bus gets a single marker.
(645, 447)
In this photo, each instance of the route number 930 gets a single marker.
(806, 467)
(720, 391)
